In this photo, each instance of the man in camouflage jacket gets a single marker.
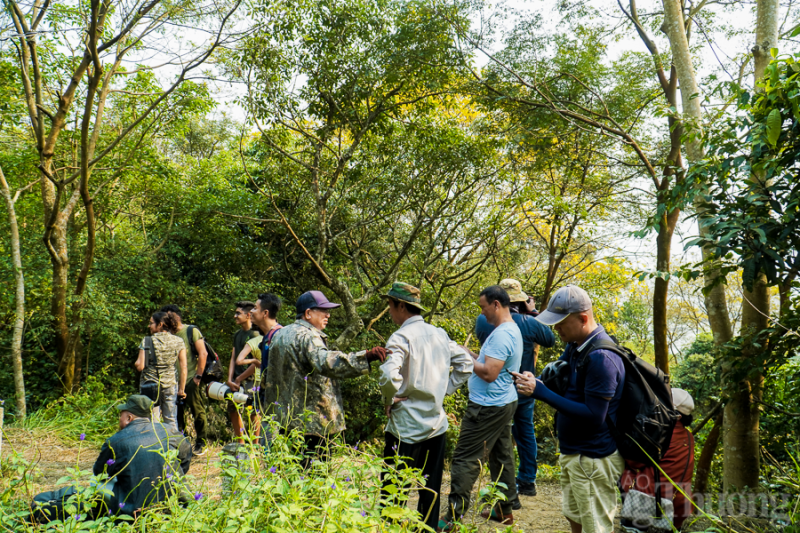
(301, 386)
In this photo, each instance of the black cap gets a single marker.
(312, 299)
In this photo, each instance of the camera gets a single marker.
(220, 391)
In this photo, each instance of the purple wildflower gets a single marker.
(276, 403)
(122, 505)
(333, 486)
(169, 476)
(347, 478)
(82, 436)
(197, 496)
(110, 462)
(305, 378)
(364, 513)
(78, 517)
(273, 469)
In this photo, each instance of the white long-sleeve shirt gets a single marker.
(417, 366)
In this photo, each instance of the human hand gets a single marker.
(530, 306)
(526, 382)
(232, 385)
(390, 406)
(377, 353)
(181, 393)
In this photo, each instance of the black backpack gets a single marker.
(645, 417)
(213, 369)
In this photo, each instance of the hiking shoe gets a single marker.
(444, 525)
(516, 505)
(199, 450)
(497, 515)
(526, 489)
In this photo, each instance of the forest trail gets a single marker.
(52, 457)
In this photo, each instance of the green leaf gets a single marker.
(773, 126)
(773, 52)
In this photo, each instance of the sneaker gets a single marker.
(497, 515)
(526, 489)
(516, 505)
(199, 450)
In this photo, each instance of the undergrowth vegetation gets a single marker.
(256, 489)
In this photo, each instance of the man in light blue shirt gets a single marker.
(487, 419)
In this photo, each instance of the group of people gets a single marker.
(290, 374)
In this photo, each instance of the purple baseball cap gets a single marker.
(312, 299)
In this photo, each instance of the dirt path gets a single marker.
(540, 514)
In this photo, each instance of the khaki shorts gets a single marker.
(589, 488)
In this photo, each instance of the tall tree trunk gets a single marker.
(19, 299)
(742, 412)
(737, 430)
(715, 299)
(703, 468)
(666, 229)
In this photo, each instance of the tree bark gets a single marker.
(703, 468)
(666, 229)
(741, 457)
(742, 412)
(19, 299)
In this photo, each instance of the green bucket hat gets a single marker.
(138, 405)
(405, 293)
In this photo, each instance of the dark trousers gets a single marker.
(194, 403)
(428, 456)
(525, 437)
(482, 429)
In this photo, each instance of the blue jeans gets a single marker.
(525, 437)
(169, 409)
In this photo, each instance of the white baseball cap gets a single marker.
(682, 401)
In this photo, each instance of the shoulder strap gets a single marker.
(190, 337)
(152, 360)
(272, 333)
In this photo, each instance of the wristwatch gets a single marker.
(199, 376)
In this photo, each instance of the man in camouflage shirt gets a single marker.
(301, 386)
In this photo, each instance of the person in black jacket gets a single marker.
(134, 459)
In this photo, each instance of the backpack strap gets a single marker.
(271, 333)
(594, 345)
(190, 336)
(152, 360)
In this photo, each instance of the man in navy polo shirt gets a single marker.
(590, 462)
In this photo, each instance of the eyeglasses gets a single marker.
(321, 310)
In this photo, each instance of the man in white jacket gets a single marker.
(414, 381)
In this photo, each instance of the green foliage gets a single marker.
(265, 492)
(698, 372)
(89, 413)
(750, 175)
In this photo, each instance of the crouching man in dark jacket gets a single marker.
(134, 459)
